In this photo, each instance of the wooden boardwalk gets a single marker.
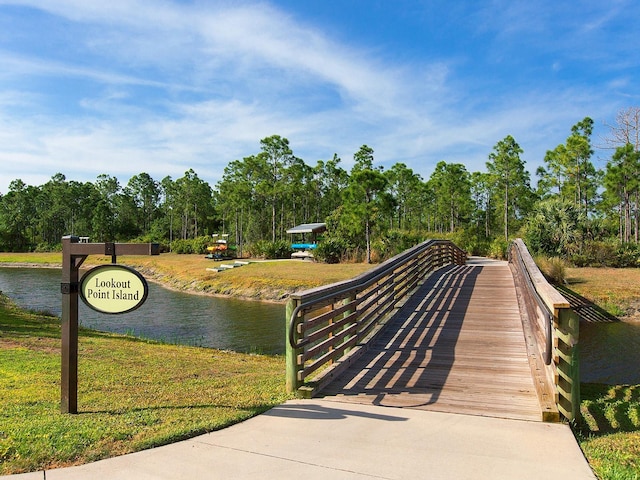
(456, 346)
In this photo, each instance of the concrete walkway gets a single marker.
(328, 439)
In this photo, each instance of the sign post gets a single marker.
(74, 254)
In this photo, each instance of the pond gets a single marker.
(610, 352)
(168, 316)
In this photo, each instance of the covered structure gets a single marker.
(309, 241)
(313, 228)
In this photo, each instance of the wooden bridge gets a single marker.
(432, 330)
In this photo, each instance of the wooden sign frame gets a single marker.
(74, 253)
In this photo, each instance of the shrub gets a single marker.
(553, 227)
(200, 244)
(498, 249)
(278, 249)
(607, 254)
(628, 255)
(470, 241)
(46, 247)
(554, 269)
(394, 242)
(182, 246)
(330, 250)
(601, 254)
(192, 245)
(270, 250)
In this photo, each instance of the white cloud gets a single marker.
(160, 87)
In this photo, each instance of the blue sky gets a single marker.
(160, 86)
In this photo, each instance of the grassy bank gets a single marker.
(35, 259)
(132, 394)
(616, 290)
(262, 280)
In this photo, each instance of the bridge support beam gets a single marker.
(567, 362)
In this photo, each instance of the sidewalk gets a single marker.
(326, 439)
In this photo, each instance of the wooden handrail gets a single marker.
(528, 273)
(329, 327)
(556, 338)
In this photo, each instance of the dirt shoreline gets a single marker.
(156, 277)
(30, 265)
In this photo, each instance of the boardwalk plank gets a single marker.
(456, 346)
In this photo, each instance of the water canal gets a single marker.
(609, 352)
(175, 317)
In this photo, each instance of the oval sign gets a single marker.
(113, 289)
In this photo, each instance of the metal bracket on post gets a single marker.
(110, 250)
(68, 288)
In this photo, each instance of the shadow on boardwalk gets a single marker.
(417, 349)
(456, 346)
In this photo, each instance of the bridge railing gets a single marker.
(551, 330)
(328, 327)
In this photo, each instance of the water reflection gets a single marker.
(166, 315)
(610, 352)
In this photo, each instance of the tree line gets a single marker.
(575, 210)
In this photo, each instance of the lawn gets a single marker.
(617, 290)
(132, 394)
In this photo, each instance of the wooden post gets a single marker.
(291, 353)
(69, 334)
(347, 301)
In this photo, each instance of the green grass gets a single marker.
(609, 431)
(616, 290)
(132, 394)
(51, 258)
